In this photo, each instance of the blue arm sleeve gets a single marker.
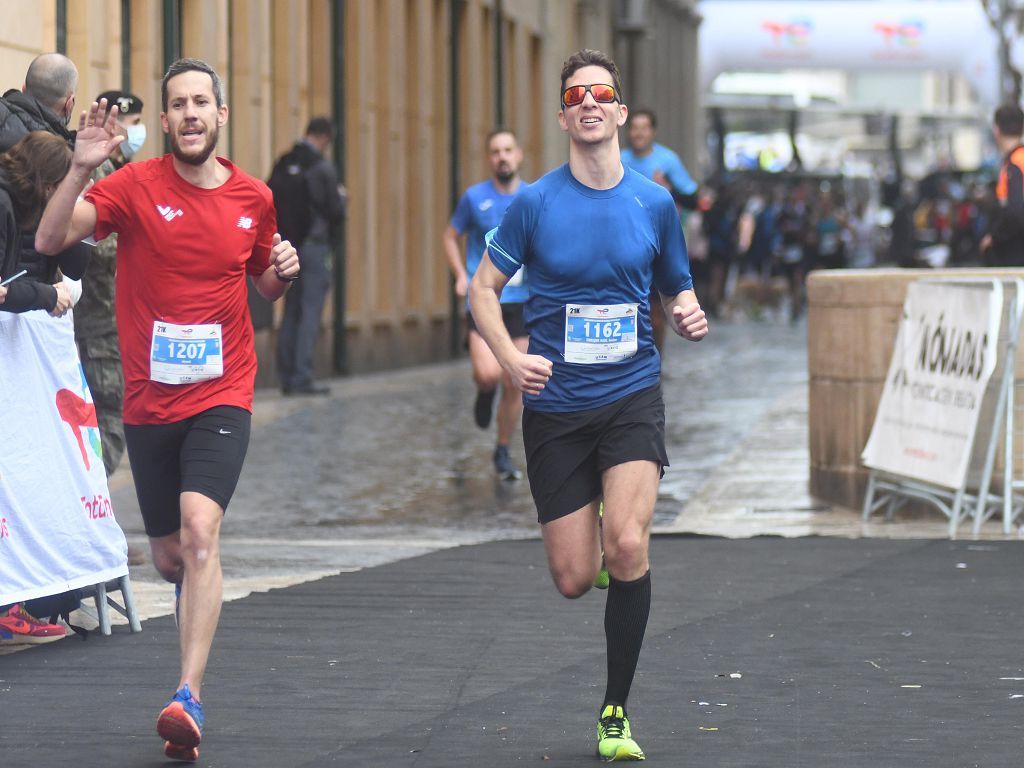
(507, 244)
(679, 178)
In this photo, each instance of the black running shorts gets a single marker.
(567, 452)
(511, 313)
(203, 453)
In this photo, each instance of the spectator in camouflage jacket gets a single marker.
(95, 326)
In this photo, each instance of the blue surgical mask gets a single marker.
(136, 138)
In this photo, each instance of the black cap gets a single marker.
(127, 103)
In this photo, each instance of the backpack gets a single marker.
(292, 197)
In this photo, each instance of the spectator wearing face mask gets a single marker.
(95, 327)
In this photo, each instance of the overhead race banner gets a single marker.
(850, 35)
(942, 361)
(57, 526)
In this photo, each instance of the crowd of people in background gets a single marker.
(754, 232)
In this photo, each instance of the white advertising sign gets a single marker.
(57, 527)
(943, 358)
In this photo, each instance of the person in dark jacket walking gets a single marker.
(312, 207)
(46, 102)
(95, 325)
(1003, 245)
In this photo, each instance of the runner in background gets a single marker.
(659, 164)
(479, 210)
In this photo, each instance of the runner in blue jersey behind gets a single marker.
(480, 209)
(658, 163)
(594, 237)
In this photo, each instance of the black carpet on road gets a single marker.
(767, 652)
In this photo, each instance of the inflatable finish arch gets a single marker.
(952, 36)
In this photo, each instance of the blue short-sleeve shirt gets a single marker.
(584, 246)
(480, 210)
(662, 159)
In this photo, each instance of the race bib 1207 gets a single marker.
(185, 354)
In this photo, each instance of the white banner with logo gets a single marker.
(849, 35)
(57, 527)
(944, 356)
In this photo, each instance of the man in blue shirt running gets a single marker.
(660, 164)
(656, 161)
(594, 236)
(479, 210)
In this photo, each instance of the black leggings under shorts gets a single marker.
(567, 452)
(203, 453)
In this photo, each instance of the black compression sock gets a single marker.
(625, 621)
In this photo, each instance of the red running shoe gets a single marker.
(18, 626)
(181, 752)
(181, 721)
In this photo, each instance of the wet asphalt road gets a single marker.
(392, 464)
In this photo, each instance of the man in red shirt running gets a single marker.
(191, 226)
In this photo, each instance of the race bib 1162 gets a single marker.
(600, 333)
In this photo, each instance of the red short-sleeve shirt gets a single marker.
(183, 253)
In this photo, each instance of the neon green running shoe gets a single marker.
(614, 741)
(601, 580)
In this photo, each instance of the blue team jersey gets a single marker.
(592, 256)
(480, 210)
(663, 159)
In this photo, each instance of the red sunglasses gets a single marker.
(602, 93)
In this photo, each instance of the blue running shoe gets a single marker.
(503, 464)
(181, 721)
